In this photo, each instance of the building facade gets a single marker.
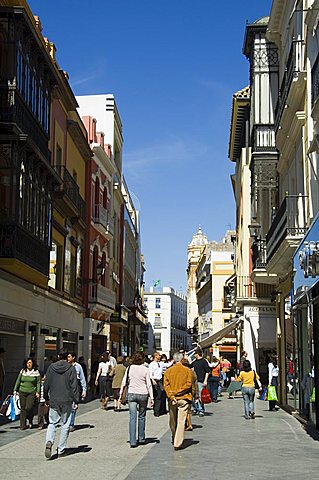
(167, 317)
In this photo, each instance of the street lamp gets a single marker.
(254, 230)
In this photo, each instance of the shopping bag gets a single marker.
(205, 397)
(264, 395)
(5, 405)
(272, 394)
(313, 395)
(11, 414)
(16, 403)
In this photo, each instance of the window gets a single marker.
(157, 341)
(79, 260)
(67, 265)
(158, 321)
(157, 303)
(55, 272)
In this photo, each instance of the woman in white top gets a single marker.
(273, 372)
(104, 379)
(138, 382)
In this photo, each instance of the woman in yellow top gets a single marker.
(247, 376)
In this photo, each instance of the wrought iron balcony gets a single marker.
(14, 113)
(100, 295)
(264, 138)
(259, 253)
(70, 189)
(247, 289)
(16, 243)
(102, 217)
(294, 66)
(287, 229)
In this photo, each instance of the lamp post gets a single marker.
(254, 230)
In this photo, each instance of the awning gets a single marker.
(207, 342)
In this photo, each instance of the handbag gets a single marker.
(123, 398)
(257, 382)
(264, 395)
(313, 395)
(272, 394)
(5, 405)
(205, 396)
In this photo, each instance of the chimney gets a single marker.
(108, 150)
(90, 125)
(100, 138)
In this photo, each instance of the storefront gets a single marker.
(305, 326)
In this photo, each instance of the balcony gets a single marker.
(246, 289)
(286, 231)
(263, 138)
(100, 296)
(259, 258)
(68, 194)
(103, 221)
(16, 115)
(16, 244)
(294, 78)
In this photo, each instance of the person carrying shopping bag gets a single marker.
(248, 377)
(28, 386)
(273, 372)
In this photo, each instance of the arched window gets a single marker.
(103, 276)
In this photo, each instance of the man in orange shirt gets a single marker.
(178, 388)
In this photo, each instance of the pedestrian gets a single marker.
(61, 389)
(84, 368)
(225, 366)
(155, 369)
(119, 372)
(2, 371)
(111, 358)
(214, 379)
(43, 409)
(82, 385)
(178, 382)
(202, 370)
(248, 377)
(137, 379)
(243, 357)
(188, 425)
(104, 379)
(273, 372)
(28, 387)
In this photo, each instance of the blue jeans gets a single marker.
(60, 414)
(248, 397)
(137, 403)
(72, 416)
(199, 407)
(213, 383)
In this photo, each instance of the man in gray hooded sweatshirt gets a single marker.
(61, 390)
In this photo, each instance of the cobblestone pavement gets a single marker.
(223, 445)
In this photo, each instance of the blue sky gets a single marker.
(173, 66)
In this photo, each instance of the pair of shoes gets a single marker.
(188, 429)
(48, 450)
(252, 415)
(72, 429)
(178, 448)
(201, 414)
(40, 427)
(247, 418)
(142, 443)
(133, 446)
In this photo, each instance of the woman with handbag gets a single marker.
(137, 382)
(104, 379)
(28, 387)
(248, 377)
(273, 372)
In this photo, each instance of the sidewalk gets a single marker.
(223, 446)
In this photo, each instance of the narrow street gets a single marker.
(223, 445)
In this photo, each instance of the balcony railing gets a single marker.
(245, 288)
(71, 189)
(290, 221)
(13, 110)
(15, 242)
(102, 217)
(294, 66)
(259, 253)
(264, 138)
(101, 295)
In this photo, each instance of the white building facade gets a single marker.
(167, 317)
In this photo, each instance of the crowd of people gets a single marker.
(174, 386)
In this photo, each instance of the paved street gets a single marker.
(223, 445)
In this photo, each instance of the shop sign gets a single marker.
(12, 325)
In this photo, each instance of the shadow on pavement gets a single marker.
(73, 451)
(151, 440)
(83, 426)
(197, 426)
(188, 442)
